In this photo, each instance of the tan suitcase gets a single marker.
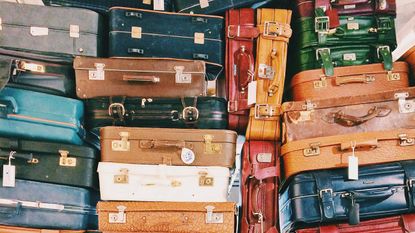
(185, 217)
(9, 229)
(168, 146)
(146, 77)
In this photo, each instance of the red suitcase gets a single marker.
(397, 224)
(240, 35)
(259, 185)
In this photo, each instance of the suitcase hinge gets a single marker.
(393, 76)
(405, 140)
(65, 161)
(98, 73)
(123, 144)
(213, 218)
(122, 178)
(405, 106)
(308, 106)
(181, 77)
(119, 217)
(211, 148)
(320, 83)
(205, 180)
(313, 150)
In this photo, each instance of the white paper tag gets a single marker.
(158, 5)
(9, 176)
(39, 31)
(353, 167)
(252, 93)
(351, 6)
(187, 156)
(204, 3)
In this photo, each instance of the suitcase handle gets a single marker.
(141, 78)
(364, 144)
(17, 155)
(244, 77)
(354, 79)
(10, 212)
(349, 120)
(258, 195)
(156, 144)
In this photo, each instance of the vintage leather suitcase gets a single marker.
(42, 205)
(146, 33)
(347, 81)
(51, 162)
(397, 224)
(240, 64)
(163, 146)
(38, 116)
(353, 114)
(97, 77)
(166, 217)
(329, 196)
(52, 75)
(103, 6)
(135, 182)
(210, 6)
(271, 61)
(201, 112)
(259, 185)
(52, 30)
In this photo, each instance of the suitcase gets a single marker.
(52, 75)
(354, 114)
(210, 6)
(51, 30)
(328, 196)
(135, 182)
(51, 162)
(259, 185)
(166, 217)
(42, 205)
(240, 64)
(346, 82)
(201, 113)
(103, 6)
(8, 229)
(163, 146)
(97, 77)
(145, 33)
(38, 116)
(271, 61)
(396, 224)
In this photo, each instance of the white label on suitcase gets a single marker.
(39, 31)
(74, 31)
(136, 32)
(187, 156)
(9, 175)
(353, 166)
(204, 3)
(158, 5)
(252, 93)
(199, 38)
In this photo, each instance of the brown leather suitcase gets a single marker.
(9, 229)
(335, 151)
(259, 185)
(149, 77)
(168, 146)
(374, 112)
(348, 81)
(194, 217)
(271, 62)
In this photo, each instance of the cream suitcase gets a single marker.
(132, 182)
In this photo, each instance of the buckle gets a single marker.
(410, 183)
(258, 115)
(238, 32)
(235, 103)
(321, 49)
(116, 105)
(323, 191)
(190, 113)
(381, 48)
(268, 28)
(322, 24)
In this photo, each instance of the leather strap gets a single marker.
(242, 32)
(325, 193)
(324, 55)
(329, 229)
(266, 112)
(408, 221)
(238, 105)
(273, 30)
(265, 173)
(410, 182)
(384, 54)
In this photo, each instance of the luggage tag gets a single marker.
(187, 156)
(353, 167)
(158, 5)
(9, 172)
(252, 89)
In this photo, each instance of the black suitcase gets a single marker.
(103, 6)
(35, 72)
(50, 30)
(200, 112)
(51, 162)
(328, 196)
(145, 33)
(210, 6)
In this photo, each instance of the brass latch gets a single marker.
(213, 218)
(205, 180)
(405, 140)
(119, 217)
(320, 83)
(66, 161)
(211, 148)
(393, 76)
(123, 144)
(98, 73)
(181, 77)
(122, 178)
(308, 106)
(313, 150)
(27, 66)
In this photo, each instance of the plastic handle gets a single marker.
(365, 144)
(350, 120)
(139, 78)
(156, 144)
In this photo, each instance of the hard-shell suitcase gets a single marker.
(103, 6)
(201, 112)
(240, 64)
(166, 217)
(96, 77)
(51, 162)
(146, 33)
(50, 30)
(259, 185)
(347, 81)
(193, 147)
(42, 205)
(134, 182)
(9, 229)
(271, 62)
(37, 116)
(48, 74)
(329, 196)
(354, 114)
(210, 6)
(397, 224)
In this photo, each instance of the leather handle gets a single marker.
(274, 85)
(353, 79)
(350, 120)
(244, 76)
(141, 78)
(157, 144)
(10, 212)
(364, 144)
(257, 197)
(360, 196)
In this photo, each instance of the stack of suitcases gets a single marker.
(128, 116)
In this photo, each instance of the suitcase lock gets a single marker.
(122, 178)
(313, 150)
(211, 148)
(119, 217)
(181, 77)
(205, 180)
(190, 114)
(405, 140)
(213, 218)
(123, 144)
(65, 161)
(405, 106)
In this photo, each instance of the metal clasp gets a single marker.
(381, 48)
(111, 110)
(322, 24)
(308, 106)
(190, 114)
(119, 217)
(122, 178)
(205, 180)
(405, 140)
(123, 144)
(266, 71)
(270, 111)
(405, 106)
(98, 73)
(65, 161)
(210, 147)
(313, 150)
(213, 218)
(268, 30)
(393, 76)
(320, 83)
(26, 66)
(181, 77)
(323, 191)
(321, 49)
(237, 32)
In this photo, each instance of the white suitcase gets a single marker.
(133, 182)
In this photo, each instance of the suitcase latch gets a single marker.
(123, 144)
(122, 178)
(98, 73)
(264, 157)
(308, 106)
(405, 140)
(393, 76)
(313, 150)
(213, 218)
(266, 71)
(66, 161)
(405, 106)
(119, 217)
(210, 147)
(205, 180)
(190, 114)
(181, 77)
(320, 83)
(26, 66)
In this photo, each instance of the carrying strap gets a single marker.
(325, 193)
(323, 55)
(273, 30)
(242, 32)
(384, 54)
(410, 182)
